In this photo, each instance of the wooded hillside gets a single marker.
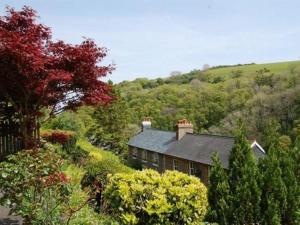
(261, 95)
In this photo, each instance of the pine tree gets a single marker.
(243, 181)
(218, 193)
(274, 193)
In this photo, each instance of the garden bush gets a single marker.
(67, 140)
(146, 197)
(95, 178)
(34, 186)
(67, 120)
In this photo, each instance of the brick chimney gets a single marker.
(146, 123)
(183, 127)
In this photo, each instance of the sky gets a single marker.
(152, 38)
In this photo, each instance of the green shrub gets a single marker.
(134, 163)
(101, 161)
(98, 170)
(96, 177)
(34, 186)
(69, 121)
(146, 197)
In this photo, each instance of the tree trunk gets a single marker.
(29, 131)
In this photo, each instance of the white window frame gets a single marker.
(144, 156)
(192, 168)
(175, 164)
(155, 156)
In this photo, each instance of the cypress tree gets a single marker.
(288, 166)
(274, 193)
(218, 193)
(296, 157)
(243, 182)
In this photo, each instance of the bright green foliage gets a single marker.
(99, 156)
(285, 142)
(243, 181)
(146, 197)
(274, 191)
(218, 193)
(34, 186)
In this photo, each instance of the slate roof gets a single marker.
(153, 140)
(200, 148)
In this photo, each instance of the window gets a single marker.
(192, 168)
(195, 171)
(134, 153)
(175, 164)
(144, 156)
(155, 158)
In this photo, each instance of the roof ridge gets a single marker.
(155, 129)
(213, 135)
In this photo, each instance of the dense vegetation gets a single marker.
(264, 191)
(261, 95)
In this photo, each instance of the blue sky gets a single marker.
(151, 38)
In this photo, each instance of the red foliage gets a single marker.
(61, 137)
(36, 72)
(55, 179)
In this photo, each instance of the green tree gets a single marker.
(288, 167)
(111, 125)
(218, 193)
(270, 133)
(296, 156)
(243, 181)
(274, 191)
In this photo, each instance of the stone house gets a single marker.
(182, 150)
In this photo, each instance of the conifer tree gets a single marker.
(274, 192)
(288, 167)
(296, 156)
(218, 193)
(243, 181)
(111, 124)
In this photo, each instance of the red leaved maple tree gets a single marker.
(37, 72)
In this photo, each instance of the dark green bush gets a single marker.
(98, 170)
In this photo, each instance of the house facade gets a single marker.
(182, 150)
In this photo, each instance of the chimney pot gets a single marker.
(183, 127)
(146, 123)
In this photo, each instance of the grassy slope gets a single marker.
(251, 69)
